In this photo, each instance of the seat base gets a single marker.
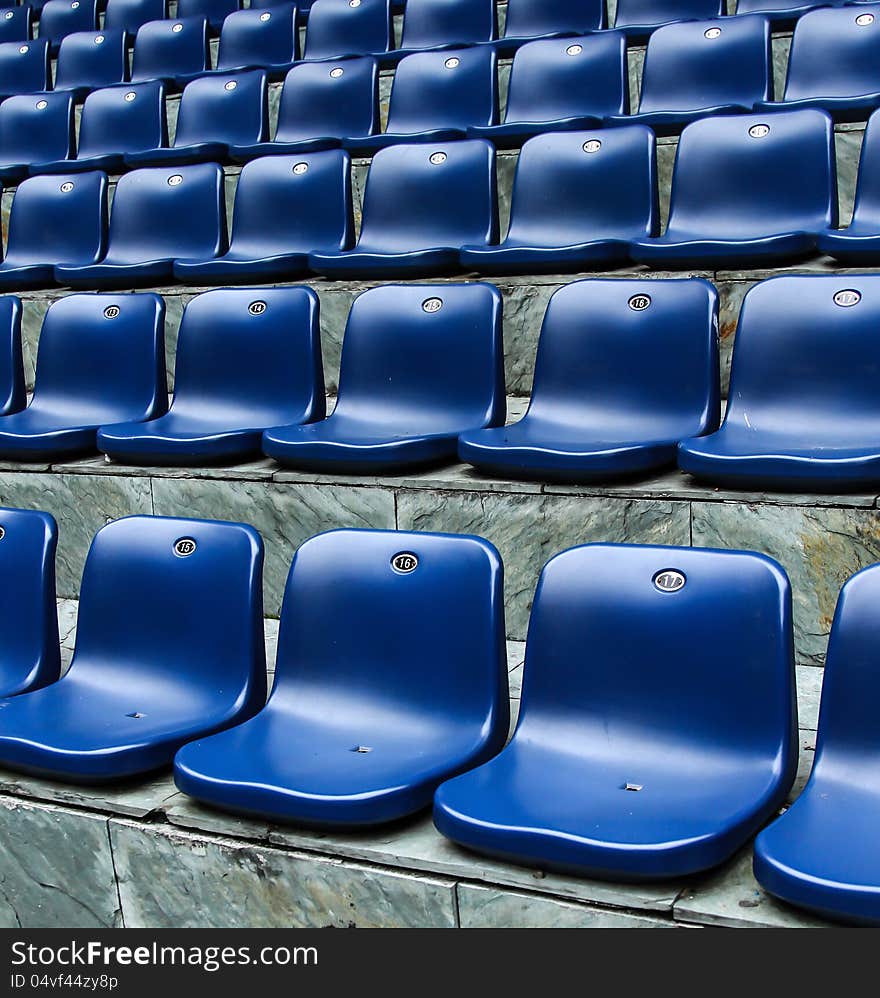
(763, 251)
(439, 262)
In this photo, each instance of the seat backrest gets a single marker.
(16, 24)
(214, 11)
(449, 606)
(123, 119)
(36, 129)
(169, 213)
(103, 353)
(24, 67)
(58, 220)
(866, 210)
(129, 15)
(427, 196)
(294, 204)
(231, 108)
(449, 89)
(339, 100)
(433, 352)
(427, 23)
(752, 175)
(574, 187)
(254, 354)
(555, 78)
(13, 396)
(259, 38)
(167, 49)
(618, 658)
(92, 59)
(635, 12)
(534, 18)
(702, 64)
(28, 613)
(806, 358)
(348, 27)
(150, 612)
(834, 53)
(639, 357)
(63, 17)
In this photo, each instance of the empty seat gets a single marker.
(33, 129)
(578, 198)
(420, 365)
(421, 202)
(246, 360)
(803, 411)
(624, 769)
(820, 854)
(129, 15)
(783, 13)
(285, 207)
(215, 112)
(214, 11)
(859, 243)
(435, 24)
(100, 359)
(320, 105)
(54, 220)
(166, 50)
(435, 97)
(748, 191)
(702, 68)
(352, 734)
(60, 18)
(169, 647)
(29, 649)
(89, 60)
(24, 67)
(562, 85)
(259, 38)
(528, 19)
(639, 18)
(625, 370)
(16, 24)
(13, 396)
(158, 216)
(115, 121)
(339, 28)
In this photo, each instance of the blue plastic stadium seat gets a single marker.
(702, 68)
(813, 430)
(352, 734)
(578, 198)
(129, 15)
(30, 656)
(618, 767)
(266, 39)
(34, 128)
(246, 360)
(421, 203)
(435, 97)
(16, 24)
(60, 18)
(821, 853)
(13, 396)
(24, 67)
(89, 60)
(833, 63)
(438, 24)
(159, 215)
(114, 121)
(529, 19)
(214, 11)
(601, 404)
(166, 50)
(859, 243)
(561, 85)
(639, 18)
(54, 220)
(101, 359)
(784, 13)
(420, 365)
(215, 113)
(340, 28)
(285, 207)
(320, 105)
(748, 191)
(169, 647)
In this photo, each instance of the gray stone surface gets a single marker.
(56, 870)
(170, 878)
